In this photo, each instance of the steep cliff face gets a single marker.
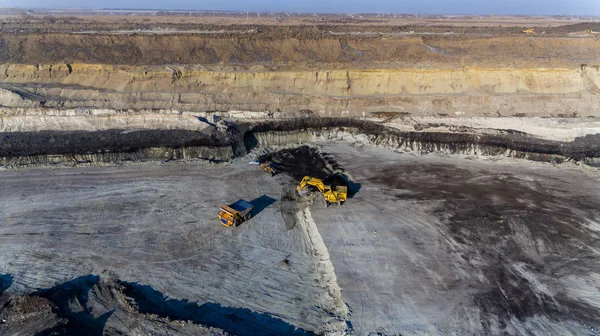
(458, 91)
(407, 81)
(298, 71)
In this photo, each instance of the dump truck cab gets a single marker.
(236, 213)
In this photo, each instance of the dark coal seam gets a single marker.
(241, 138)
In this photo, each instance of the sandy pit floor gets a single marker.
(440, 245)
(428, 244)
(157, 225)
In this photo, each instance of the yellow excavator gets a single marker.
(337, 196)
(528, 31)
(592, 32)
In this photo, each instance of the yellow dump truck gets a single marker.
(270, 167)
(236, 213)
(337, 196)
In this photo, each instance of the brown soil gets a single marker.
(231, 38)
(300, 47)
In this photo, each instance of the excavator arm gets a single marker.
(312, 181)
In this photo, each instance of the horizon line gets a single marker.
(294, 12)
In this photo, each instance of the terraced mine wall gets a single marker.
(463, 91)
(115, 146)
(294, 72)
(305, 78)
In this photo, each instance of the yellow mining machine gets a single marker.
(270, 167)
(528, 31)
(337, 196)
(592, 32)
(236, 213)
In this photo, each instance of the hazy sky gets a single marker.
(572, 7)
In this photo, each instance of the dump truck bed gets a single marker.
(242, 206)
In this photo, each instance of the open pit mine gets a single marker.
(454, 161)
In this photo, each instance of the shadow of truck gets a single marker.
(261, 203)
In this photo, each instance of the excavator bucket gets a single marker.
(304, 191)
